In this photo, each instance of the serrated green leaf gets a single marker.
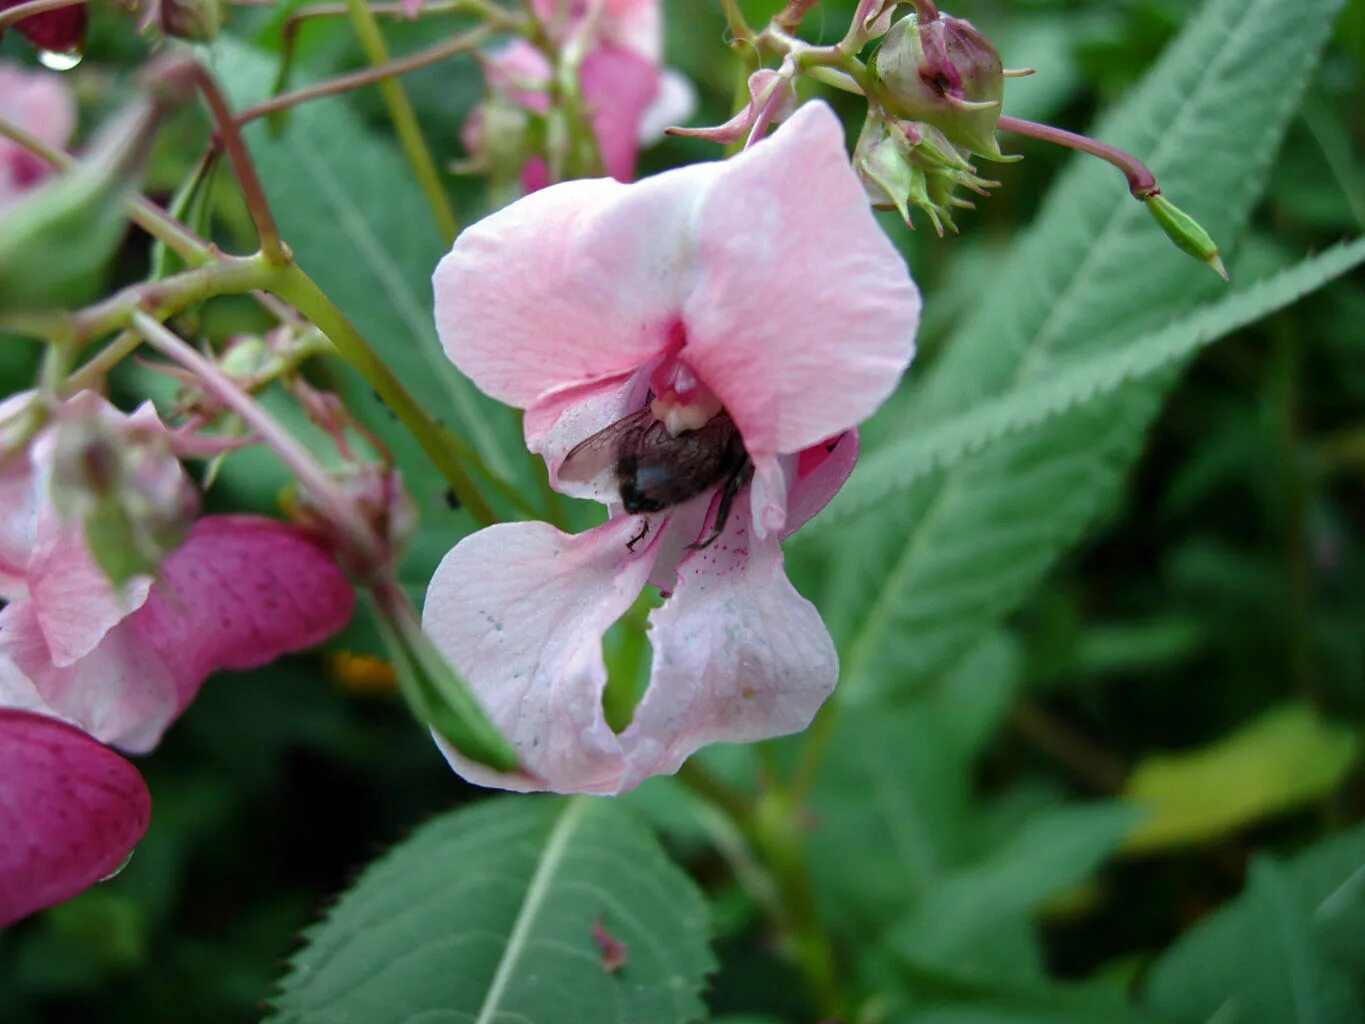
(925, 573)
(487, 915)
(1257, 960)
(898, 465)
(1286, 758)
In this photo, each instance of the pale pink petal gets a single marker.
(18, 525)
(73, 599)
(411, 8)
(520, 610)
(570, 285)
(618, 87)
(41, 103)
(820, 471)
(122, 692)
(71, 811)
(739, 655)
(239, 593)
(768, 493)
(803, 316)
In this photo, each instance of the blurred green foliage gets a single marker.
(973, 846)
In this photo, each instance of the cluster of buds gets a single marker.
(936, 85)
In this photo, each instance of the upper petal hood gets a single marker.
(799, 315)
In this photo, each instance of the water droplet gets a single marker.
(119, 870)
(59, 60)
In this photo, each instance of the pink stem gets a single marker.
(1141, 182)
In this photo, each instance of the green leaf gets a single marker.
(488, 915)
(924, 573)
(358, 225)
(1258, 960)
(912, 766)
(898, 465)
(1286, 758)
(961, 915)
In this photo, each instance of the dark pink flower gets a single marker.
(58, 31)
(39, 102)
(121, 664)
(760, 285)
(71, 810)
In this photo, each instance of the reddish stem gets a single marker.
(1141, 182)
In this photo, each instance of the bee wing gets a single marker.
(598, 454)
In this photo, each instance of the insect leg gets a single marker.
(733, 483)
(644, 532)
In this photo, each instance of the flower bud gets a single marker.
(1186, 232)
(944, 73)
(196, 20)
(118, 476)
(905, 165)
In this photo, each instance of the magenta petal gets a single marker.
(739, 655)
(803, 321)
(820, 471)
(618, 87)
(240, 592)
(520, 610)
(71, 810)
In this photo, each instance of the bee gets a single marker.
(654, 470)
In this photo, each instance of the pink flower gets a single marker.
(39, 102)
(119, 665)
(760, 285)
(629, 98)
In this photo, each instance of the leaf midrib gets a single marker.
(547, 865)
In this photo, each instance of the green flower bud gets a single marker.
(944, 73)
(199, 21)
(1185, 232)
(914, 165)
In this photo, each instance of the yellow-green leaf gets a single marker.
(1286, 758)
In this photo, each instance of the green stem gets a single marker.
(368, 76)
(297, 288)
(405, 122)
(94, 371)
(775, 830)
(231, 275)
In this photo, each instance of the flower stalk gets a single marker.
(404, 121)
